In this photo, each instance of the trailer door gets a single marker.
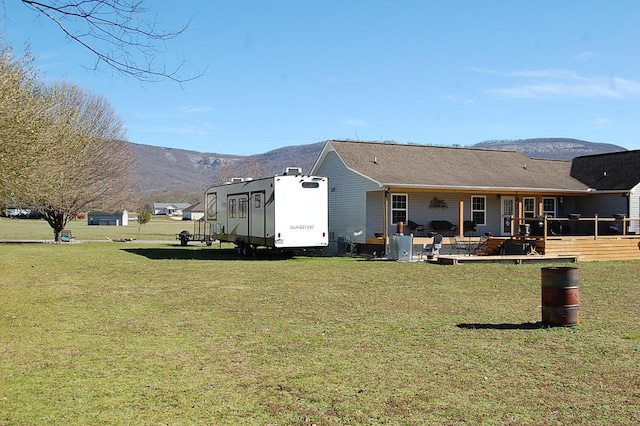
(257, 225)
(238, 221)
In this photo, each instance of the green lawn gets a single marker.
(129, 333)
(159, 228)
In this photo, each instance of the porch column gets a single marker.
(540, 207)
(385, 218)
(519, 213)
(461, 217)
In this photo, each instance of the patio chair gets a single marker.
(415, 228)
(469, 226)
(461, 245)
(483, 245)
(433, 249)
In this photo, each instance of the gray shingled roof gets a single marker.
(612, 171)
(434, 166)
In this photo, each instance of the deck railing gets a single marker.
(575, 225)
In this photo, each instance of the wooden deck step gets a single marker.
(455, 259)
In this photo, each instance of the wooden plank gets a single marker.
(589, 249)
(517, 259)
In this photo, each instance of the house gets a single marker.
(454, 191)
(194, 212)
(169, 209)
(20, 212)
(615, 179)
(119, 218)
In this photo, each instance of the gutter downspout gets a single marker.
(385, 219)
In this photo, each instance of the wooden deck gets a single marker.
(581, 248)
(590, 249)
(455, 259)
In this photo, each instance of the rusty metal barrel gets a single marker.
(560, 296)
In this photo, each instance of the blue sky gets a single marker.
(292, 72)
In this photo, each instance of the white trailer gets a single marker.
(285, 212)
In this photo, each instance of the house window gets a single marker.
(398, 208)
(529, 206)
(549, 207)
(242, 207)
(232, 208)
(479, 210)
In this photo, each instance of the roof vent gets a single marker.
(237, 180)
(293, 171)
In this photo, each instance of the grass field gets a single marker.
(159, 228)
(130, 333)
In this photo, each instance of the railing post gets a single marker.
(595, 231)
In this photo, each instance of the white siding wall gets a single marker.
(375, 212)
(634, 208)
(347, 201)
(494, 214)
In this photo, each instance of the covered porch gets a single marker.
(578, 239)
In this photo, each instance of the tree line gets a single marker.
(62, 148)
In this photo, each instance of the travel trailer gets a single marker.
(284, 212)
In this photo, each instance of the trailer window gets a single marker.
(232, 208)
(257, 201)
(310, 185)
(212, 206)
(242, 207)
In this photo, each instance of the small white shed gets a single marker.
(120, 218)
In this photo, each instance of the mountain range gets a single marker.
(178, 175)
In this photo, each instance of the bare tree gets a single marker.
(122, 34)
(21, 117)
(224, 172)
(144, 217)
(254, 168)
(84, 163)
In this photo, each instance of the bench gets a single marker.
(443, 227)
(66, 236)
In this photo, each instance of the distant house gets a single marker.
(464, 191)
(194, 212)
(16, 212)
(169, 209)
(120, 218)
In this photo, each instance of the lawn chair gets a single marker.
(433, 249)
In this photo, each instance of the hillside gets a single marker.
(177, 175)
(551, 148)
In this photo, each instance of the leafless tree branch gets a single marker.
(123, 34)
